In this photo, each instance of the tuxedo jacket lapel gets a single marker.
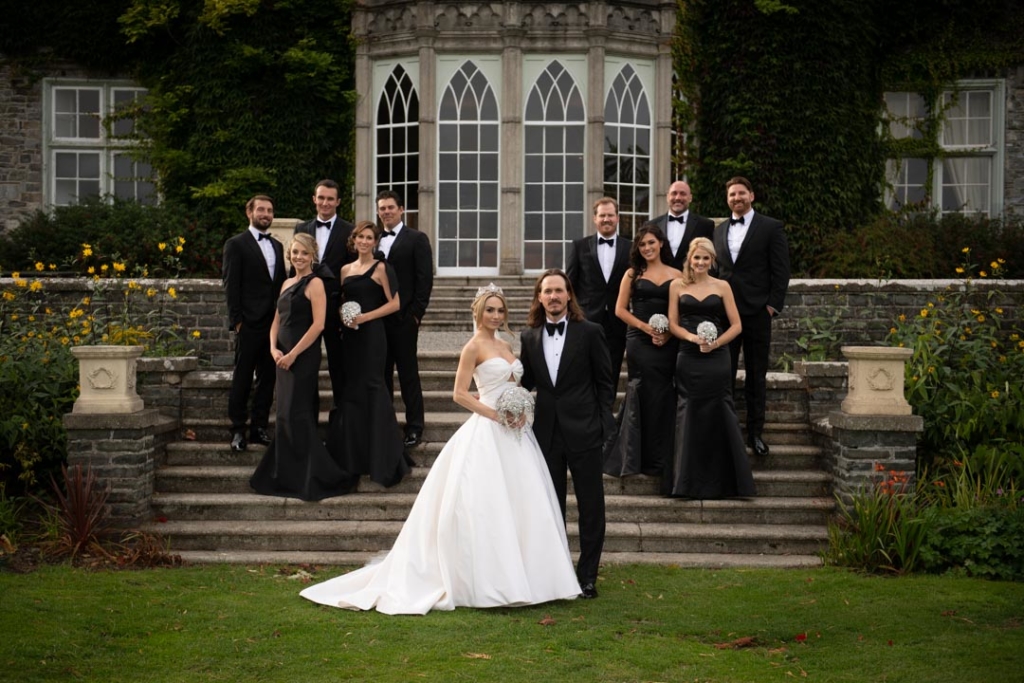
(572, 339)
(256, 253)
(542, 374)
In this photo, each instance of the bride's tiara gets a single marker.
(489, 290)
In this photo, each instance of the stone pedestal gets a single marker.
(123, 451)
(106, 377)
(876, 380)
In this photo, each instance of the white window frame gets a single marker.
(382, 71)
(644, 70)
(994, 151)
(105, 146)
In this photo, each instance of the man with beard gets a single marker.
(753, 257)
(595, 270)
(253, 272)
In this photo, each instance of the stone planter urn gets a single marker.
(106, 375)
(876, 380)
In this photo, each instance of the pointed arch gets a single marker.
(397, 140)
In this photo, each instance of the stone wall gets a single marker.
(863, 310)
(21, 146)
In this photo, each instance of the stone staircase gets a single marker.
(204, 506)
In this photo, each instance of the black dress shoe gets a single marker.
(412, 439)
(759, 446)
(259, 435)
(238, 443)
(588, 591)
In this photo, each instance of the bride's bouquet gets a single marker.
(349, 311)
(659, 323)
(515, 409)
(707, 331)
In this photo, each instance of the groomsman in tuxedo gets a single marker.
(331, 234)
(595, 270)
(681, 225)
(408, 252)
(253, 272)
(565, 358)
(753, 256)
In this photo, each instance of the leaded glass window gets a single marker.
(627, 149)
(398, 144)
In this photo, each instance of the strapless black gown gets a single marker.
(296, 464)
(710, 456)
(366, 438)
(646, 419)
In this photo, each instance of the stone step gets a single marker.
(235, 479)
(194, 453)
(379, 536)
(356, 559)
(396, 506)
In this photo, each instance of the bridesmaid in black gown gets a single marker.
(296, 463)
(710, 456)
(647, 416)
(367, 439)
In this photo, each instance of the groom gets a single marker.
(565, 358)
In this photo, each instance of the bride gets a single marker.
(486, 529)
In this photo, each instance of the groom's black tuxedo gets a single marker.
(573, 419)
(696, 226)
(336, 255)
(597, 297)
(252, 301)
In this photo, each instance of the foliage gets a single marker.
(880, 529)
(12, 522)
(964, 376)
(986, 542)
(80, 511)
(130, 231)
(821, 338)
(921, 245)
(244, 98)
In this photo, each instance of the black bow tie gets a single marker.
(609, 241)
(677, 219)
(387, 233)
(323, 224)
(262, 236)
(734, 221)
(555, 327)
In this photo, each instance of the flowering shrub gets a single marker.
(964, 378)
(38, 373)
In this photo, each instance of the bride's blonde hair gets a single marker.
(480, 303)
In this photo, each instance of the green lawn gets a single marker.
(224, 623)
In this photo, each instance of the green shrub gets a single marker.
(124, 230)
(964, 376)
(987, 542)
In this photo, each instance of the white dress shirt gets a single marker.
(737, 233)
(674, 230)
(553, 345)
(606, 255)
(323, 233)
(386, 242)
(267, 248)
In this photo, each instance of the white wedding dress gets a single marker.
(485, 531)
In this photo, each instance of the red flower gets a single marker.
(801, 637)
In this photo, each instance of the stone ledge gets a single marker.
(872, 423)
(147, 418)
(169, 364)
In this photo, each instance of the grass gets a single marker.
(226, 623)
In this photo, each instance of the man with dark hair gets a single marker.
(681, 225)
(331, 234)
(595, 269)
(253, 272)
(753, 257)
(565, 358)
(408, 252)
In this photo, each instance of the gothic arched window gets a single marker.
(467, 172)
(398, 141)
(627, 149)
(553, 203)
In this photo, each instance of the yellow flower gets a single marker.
(983, 274)
(53, 266)
(967, 330)
(172, 292)
(1014, 336)
(196, 334)
(104, 268)
(21, 283)
(31, 318)
(161, 246)
(1002, 359)
(9, 296)
(931, 369)
(892, 330)
(924, 312)
(14, 316)
(119, 267)
(15, 275)
(86, 252)
(92, 270)
(959, 271)
(151, 292)
(903, 318)
(40, 266)
(994, 265)
(86, 301)
(179, 249)
(64, 340)
(35, 286)
(1021, 344)
(993, 344)
(95, 278)
(931, 305)
(1001, 261)
(981, 318)
(181, 240)
(995, 394)
(965, 250)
